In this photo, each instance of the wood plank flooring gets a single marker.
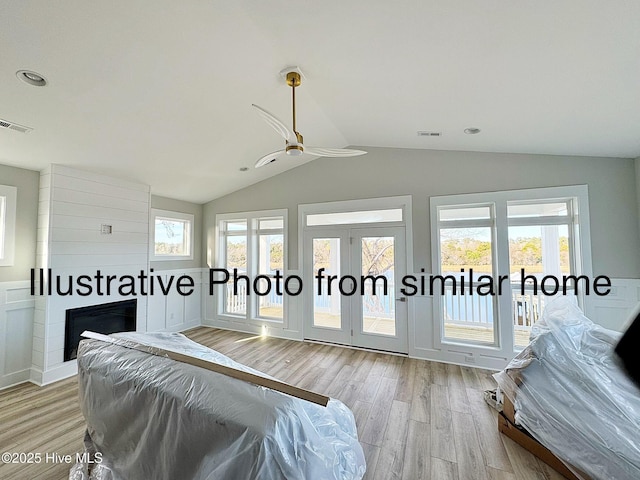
(416, 419)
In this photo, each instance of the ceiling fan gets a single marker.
(293, 140)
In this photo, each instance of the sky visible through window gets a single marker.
(171, 236)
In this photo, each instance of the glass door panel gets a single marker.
(378, 299)
(353, 277)
(378, 312)
(326, 299)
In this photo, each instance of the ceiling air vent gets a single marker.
(422, 133)
(14, 126)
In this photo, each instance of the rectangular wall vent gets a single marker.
(14, 126)
(422, 133)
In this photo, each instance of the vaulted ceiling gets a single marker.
(161, 91)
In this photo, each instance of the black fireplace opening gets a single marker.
(105, 318)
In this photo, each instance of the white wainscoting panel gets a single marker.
(16, 332)
(175, 312)
(613, 311)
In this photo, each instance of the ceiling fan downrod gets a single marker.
(293, 80)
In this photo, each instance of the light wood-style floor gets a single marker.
(416, 419)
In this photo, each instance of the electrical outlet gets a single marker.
(470, 359)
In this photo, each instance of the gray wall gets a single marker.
(615, 233)
(165, 203)
(28, 184)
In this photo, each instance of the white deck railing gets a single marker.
(458, 309)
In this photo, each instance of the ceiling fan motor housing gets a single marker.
(294, 150)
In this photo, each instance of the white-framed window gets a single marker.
(517, 240)
(252, 248)
(171, 235)
(8, 197)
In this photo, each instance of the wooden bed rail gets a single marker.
(507, 426)
(272, 384)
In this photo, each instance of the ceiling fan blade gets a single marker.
(268, 158)
(277, 125)
(333, 152)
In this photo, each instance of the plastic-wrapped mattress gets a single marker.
(151, 417)
(571, 393)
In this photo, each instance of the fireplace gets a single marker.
(104, 318)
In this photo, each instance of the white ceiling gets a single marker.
(161, 91)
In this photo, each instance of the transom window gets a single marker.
(364, 216)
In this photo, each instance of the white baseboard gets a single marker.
(36, 376)
(183, 327)
(253, 329)
(482, 361)
(65, 370)
(14, 378)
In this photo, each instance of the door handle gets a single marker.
(401, 299)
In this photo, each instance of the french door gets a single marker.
(353, 278)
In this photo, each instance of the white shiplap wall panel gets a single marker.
(109, 190)
(89, 223)
(116, 270)
(42, 250)
(96, 248)
(73, 207)
(96, 260)
(97, 200)
(97, 212)
(56, 339)
(73, 235)
(62, 171)
(45, 178)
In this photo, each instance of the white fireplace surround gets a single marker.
(86, 222)
(74, 207)
(89, 222)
